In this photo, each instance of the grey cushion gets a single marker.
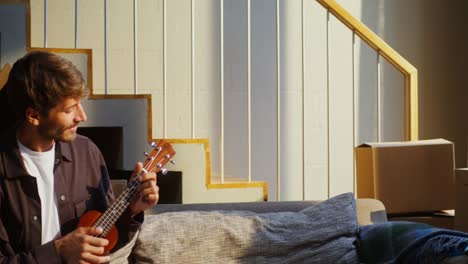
(323, 233)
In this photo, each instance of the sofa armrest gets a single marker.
(370, 211)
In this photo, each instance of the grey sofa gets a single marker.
(338, 230)
(245, 232)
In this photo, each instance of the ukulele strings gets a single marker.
(110, 216)
(113, 213)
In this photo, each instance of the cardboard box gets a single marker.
(411, 176)
(461, 200)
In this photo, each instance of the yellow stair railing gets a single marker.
(409, 72)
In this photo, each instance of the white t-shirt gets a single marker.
(41, 166)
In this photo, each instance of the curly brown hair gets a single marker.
(41, 80)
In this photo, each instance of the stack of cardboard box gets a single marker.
(415, 180)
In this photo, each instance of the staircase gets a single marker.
(123, 62)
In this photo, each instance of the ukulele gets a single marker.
(159, 156)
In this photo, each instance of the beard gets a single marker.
(52, 131)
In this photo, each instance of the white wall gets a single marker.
(173, 50)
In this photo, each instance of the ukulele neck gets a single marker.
(161, 154)
(113, 213)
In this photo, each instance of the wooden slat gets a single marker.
(178, 92)
(340, 109)
(90, 35)
(120, 35)
(35, 24)
(61, 24)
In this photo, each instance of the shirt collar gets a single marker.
(63, 151)
(13, 162)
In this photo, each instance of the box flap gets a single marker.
(438, 141)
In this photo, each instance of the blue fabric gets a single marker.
(408, 242)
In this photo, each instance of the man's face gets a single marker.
(62, 121)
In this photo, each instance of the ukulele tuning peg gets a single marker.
(172, 162)
(153, 144)
(164, 171)
(146, 154)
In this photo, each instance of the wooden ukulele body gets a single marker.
(159, 156)
(89, 218)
